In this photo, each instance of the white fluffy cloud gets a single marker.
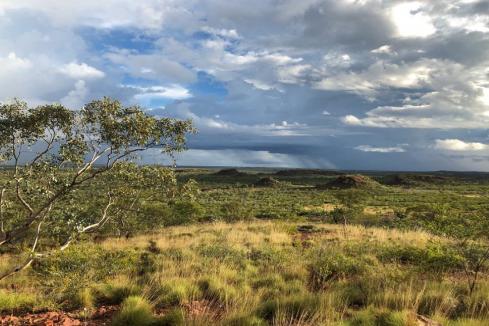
(382, 75)
(152, 14)
(373, 149)
(459, 145)
(81, 71)
(411, 21)
(174, 92)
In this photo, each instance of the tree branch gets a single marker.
(92, 227)
(2, 199)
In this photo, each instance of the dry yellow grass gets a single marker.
(246, 234)
(326, 208)
(378, 210)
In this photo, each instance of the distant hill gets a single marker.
(350, 182)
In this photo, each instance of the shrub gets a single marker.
(435, 258)
(268, 256)
(184, 212)
(135, 310)
(329, 266)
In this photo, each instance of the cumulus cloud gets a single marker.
(174, 92)
(459, 145)
(381, 75)
(81, 71)
(75, 99)
(411, 21)
(298, 78)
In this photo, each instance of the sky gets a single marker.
(337, 84)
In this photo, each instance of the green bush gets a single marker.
(329, 265)
(135, 310)
(184, 212)
(435, 258)
(269, 256)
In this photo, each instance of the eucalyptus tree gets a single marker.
(50, 154)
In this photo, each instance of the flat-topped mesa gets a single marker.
(405, 179)
(267, 182)
(299, 172)
(229, 172)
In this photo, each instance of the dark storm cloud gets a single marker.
(357, 84)
(334, 23)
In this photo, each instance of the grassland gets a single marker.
(283, 253)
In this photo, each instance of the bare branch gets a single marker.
(21, 198)
(49, 145)
(17, 269)
(92, 227)
(2, 199)
(32, 254)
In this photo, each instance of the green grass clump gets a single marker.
(113, 294)
(293, 308)
(85, 298)
(135, 310)
(217, 291)
(245, 320)
(174, 317)
(16, 302)
(372, 317)
(176, 292)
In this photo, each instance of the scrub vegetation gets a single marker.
(150, 245)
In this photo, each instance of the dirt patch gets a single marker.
(472, 196)
(102, 316)
(201, 308)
